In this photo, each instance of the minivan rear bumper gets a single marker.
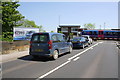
(36, 54)
(48, 54)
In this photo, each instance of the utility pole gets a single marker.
(104, 25)
(59, 19)
(100, 26)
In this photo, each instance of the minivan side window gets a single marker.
(54, 38)
(60, 38)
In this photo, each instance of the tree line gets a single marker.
(10, 17)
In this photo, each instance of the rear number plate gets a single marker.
(38, 50)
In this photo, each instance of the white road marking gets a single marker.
(91, 48)
(69, 60)
(82, 52)
(53, 70)
(76, 59)
(100, 42)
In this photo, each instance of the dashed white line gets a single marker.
(69, 60)
(82, 52)
(53, 70)
(100, 42)
(91, 48)
(76, 59)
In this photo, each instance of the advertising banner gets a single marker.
(24, 33)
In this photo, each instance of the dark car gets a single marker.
(79, 42)
(49, 45)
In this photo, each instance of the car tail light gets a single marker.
(81, 41)
(50, 44)
(39, 33)
(30, 44)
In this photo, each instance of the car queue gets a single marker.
(52, 45)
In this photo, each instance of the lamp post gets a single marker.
(100, 27)
(104, 25)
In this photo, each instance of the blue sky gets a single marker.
(47, 13)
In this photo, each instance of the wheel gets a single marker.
(55, 54)
(70, 49)
(83, 46)
(89, 43)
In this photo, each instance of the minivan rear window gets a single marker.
(40, 38)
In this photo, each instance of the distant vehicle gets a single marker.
(102, 34)
(29, 35)
(49, 45)
(89, 39)
(79, 42)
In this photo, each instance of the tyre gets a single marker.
(70, 49)
(89, 43)
(55, 54)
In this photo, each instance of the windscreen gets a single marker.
(40, 38)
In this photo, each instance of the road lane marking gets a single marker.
(69, 60)
(91, 48)
(101, 42)
(82, 52)
(76, 59)
(52, 70)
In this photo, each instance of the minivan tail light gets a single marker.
(50, 44)
(30, 44)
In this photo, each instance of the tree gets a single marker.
(44, 31)
(89, 26)
(28, 23)
(0, 20)
(60, 32)
(10, 16)
(52, 31)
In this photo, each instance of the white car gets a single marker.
(89, 39)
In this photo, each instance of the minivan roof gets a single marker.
(50, 33)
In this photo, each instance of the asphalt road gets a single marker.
(99, 60)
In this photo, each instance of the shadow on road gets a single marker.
(40, 59)
(30, 58)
